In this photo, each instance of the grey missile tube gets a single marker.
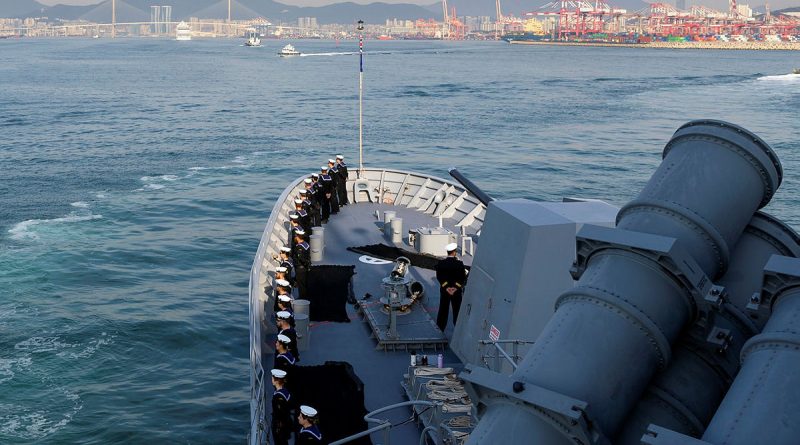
(685, 396)
(613, 331)
(700, 205)
(763, 404)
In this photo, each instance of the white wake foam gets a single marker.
(37, 345)
(22, 422)
(26, 229)
(781, 78)
(80, 204)
(89, 348)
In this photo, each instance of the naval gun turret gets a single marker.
(640, 285)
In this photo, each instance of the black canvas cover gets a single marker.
(335, 391)
(329, 289)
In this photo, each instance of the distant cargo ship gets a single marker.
(522, 36)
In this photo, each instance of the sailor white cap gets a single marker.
(286, 249)
(339, 157)
(308, 411)
(284, 315)
(284, 339)
(298, 201)
(281, 269)
(331, 161)
(282, 283)
(278, 373)
(294, 216)
(308, 180)
(315, 175)
(324, 168)
(300, 232)
(285, 298)
(303, 192)
(451, 247)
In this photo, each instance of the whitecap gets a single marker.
(169, 177)
(80, 204)
(238, 160)
(25, 229)
(153, 187)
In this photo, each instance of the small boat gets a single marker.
(796, 71)
(183, 32)
(288, 50)
(252, 39)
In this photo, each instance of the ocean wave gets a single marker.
(79, 204)
(25, 229)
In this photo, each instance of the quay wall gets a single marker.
(769, 46)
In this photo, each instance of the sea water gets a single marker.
(136, 176)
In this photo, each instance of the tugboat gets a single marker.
(288, 50)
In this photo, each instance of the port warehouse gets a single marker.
(562, 20)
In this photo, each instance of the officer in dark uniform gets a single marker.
(308, 206)
(333, 172)
(326, 184)
(343, 201)
(285, 326)
(303, 218)
(286, 261)
(282, 424)
(309, 431)
(313, 197)
(452, 276)
(302, 262)
(284, 360)
(294, 224)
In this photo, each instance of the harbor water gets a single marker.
(136, 176)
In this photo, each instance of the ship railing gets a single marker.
(257, 300)
(494, 358)
(386, 426)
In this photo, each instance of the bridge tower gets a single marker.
(113, 19)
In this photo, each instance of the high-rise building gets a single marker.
(166, 17)
(155, 18)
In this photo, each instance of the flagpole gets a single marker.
(360, 98)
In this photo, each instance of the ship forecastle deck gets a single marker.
(378, 359)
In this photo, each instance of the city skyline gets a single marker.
(716, 4)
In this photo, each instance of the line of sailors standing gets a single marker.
(323, 194)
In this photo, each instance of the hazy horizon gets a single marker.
(717, 4)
